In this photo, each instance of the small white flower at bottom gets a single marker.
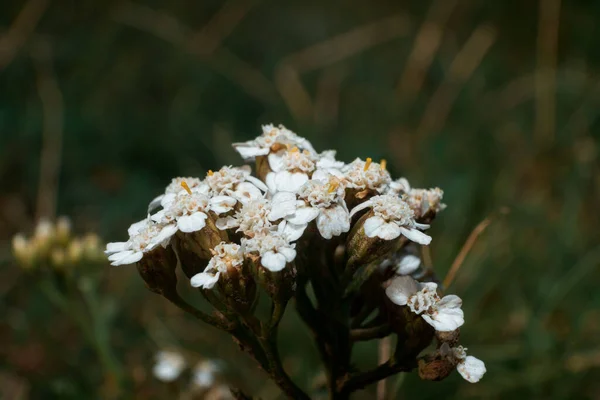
(391, 218)
(444, 314)
(402, 264)
(274, 249)
(204, 373)
(470, 368)
(225, 256)
(169, 366)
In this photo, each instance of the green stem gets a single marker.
(176, 299)
(101, 333)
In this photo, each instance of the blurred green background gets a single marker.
(102, 102)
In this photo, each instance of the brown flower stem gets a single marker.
(188, 308)
(354, 382)
(377, 332)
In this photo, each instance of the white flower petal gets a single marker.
(276, 160)
(258, 183)
(288, 252)
(273, 261)
(422, 226)
(286, 181)
(450, 301)
(250, 152)
(416, 235)
(472, 369)
(168, 199)
(408, 264)
(445, 320)
(303, 215)
(293, 232)
(136, 227)
(163, 237)
(116, 247)
(159, 216)
(282, 205)
(400, 289)
(192, 223)
(376, 226)
(333, 221)
(361, 206)
(222, 204)
(227, 223)
(246, 191)
(155, 203)
(270, 182)
(126, 258)
(205, 280)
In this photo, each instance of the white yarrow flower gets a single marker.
(272, 139)
(236, 182)
(290, 169)
(470, 368)
(444, 314)
(367, 175)
(188, 211)
(422, 201)
(274, 249)
(320, 200)
(253, 217)
(391, 218)
(225, 256)
(177, 185)
(145, 236)
(169, 366)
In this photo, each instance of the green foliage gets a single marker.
(143, 100)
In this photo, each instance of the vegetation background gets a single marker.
(102, 102)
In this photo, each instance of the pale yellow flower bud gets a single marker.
(75, 251)
(22, 250)
(92, 247)
(58, 258)
(63, 230)
(43, 237)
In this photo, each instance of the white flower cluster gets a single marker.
(266, 217)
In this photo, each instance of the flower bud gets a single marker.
(435, 369)
(63, 230)
(58, 258)
(157, 269)
(23, 251)
(363, 250)
(194, 248)
(239, 288)
(75, 251)
(92, 247)
(43, 237)
(280, 285)
(412, 330)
